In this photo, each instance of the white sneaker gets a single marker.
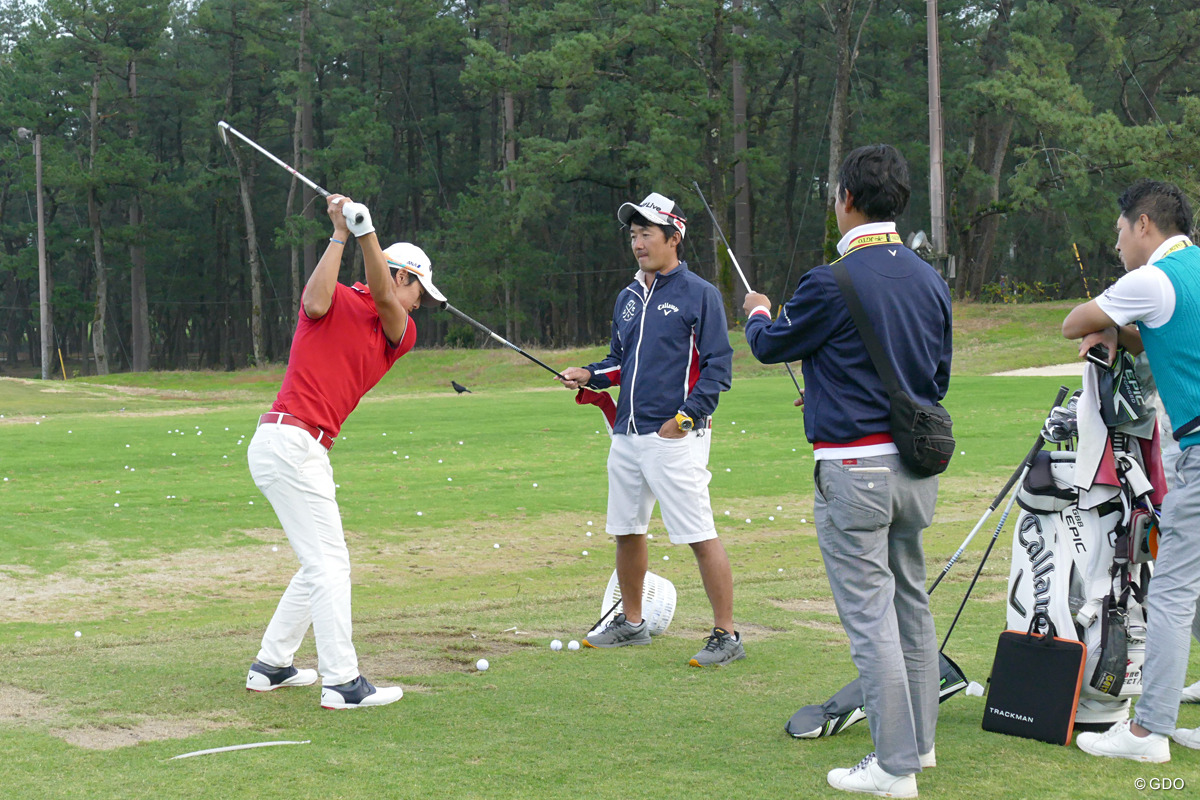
(929, 759)
(1120, 742)
(263, 678)
(1188, 737)
(359, 693)
(1190, 694)
(870, 778)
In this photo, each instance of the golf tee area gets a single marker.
(139, 563)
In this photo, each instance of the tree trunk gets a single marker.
(979, 238)
(742, 248)
(306, 144)
(99, 347)
(246, 190)
(139, 311)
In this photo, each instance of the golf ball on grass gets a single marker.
(482, 665)
(572, 645)
(556, 645)
(78, 634)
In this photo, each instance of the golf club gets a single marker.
(738, 267)
(500, 339)
(1025, 466)
(224, 129)
(1018, 474)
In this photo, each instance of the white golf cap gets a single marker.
(403, 255)
(658, 209)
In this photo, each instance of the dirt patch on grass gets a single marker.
(110, 737)
(398, 655)
(811, 605)
(20, 705)
(101, 588)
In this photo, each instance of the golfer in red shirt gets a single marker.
(347, 338)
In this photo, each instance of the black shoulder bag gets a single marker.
(922, 433)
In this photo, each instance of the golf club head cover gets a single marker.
(358, 219)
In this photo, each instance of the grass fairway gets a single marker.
(170, 591)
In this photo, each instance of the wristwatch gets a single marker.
(684, 422)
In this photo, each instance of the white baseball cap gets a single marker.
(406, 256)
(658, 209)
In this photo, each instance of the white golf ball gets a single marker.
(666, 558)
(439, 461)
(496, 545)
(482, 665)
(118, 491)
(781, 569)
(779, 508)
(727, 513)
(556, 645)
(585, 552)
(274, 549)
(460, 442)
(78, 634)
(727, 469)
(803, 521)
(589, 523)
(747, 520)
(420, 513)
(589, 533)
(572, 645)
(449, 479)
(649, 535)
(116, 505)
(535, 486)
(770, 519)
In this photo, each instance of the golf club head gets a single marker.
(223, 132)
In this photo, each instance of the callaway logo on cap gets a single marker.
(403, 255)
(658, 209)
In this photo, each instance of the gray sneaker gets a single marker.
(619, 633)
(722, 648)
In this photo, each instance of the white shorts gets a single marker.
(642, 469)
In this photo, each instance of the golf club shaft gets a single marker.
(225, 126)
(611, 609)
(738, 267)
(501, 339)
(1018, 474)
(1026, 464)
(721, 233)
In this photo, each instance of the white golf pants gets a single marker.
(292, 470)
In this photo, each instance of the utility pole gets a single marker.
(43, 274)
(937, 186)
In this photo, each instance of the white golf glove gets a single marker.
(358, 219)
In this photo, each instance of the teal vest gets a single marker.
(1174, 349)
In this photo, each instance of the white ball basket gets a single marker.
(658, 602)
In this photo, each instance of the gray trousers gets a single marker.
(870, 515)
(1170, 456)
(1171, 601)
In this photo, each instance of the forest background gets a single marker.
(502, 136)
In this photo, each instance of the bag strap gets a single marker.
(866, 330)
(1043, 617)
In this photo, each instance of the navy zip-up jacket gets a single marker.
(670, 351)
(909, 305)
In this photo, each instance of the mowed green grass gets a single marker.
(171, 590)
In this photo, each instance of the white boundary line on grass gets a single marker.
(235, 747)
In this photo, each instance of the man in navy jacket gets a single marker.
(870, 509)
(671, 356)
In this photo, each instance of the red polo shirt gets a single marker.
(336, 359)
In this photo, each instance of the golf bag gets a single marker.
(1080, 546)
